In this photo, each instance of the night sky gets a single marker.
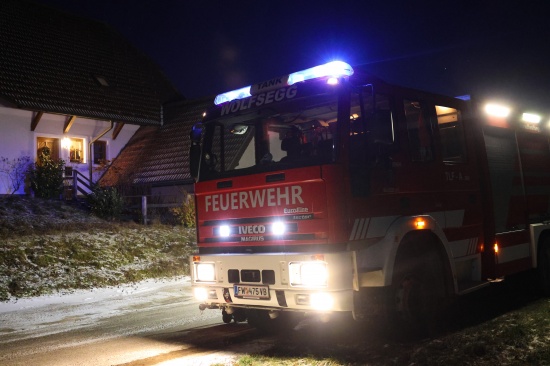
(482, 48)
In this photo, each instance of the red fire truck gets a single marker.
(330, 191)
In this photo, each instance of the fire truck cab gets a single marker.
(328, 190)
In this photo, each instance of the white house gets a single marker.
(84, 147)
(73, 85)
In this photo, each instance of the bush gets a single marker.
(106, 202)
(46, 175)
(186, 212)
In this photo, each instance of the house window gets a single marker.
(76, 149)
(50, 143)
(100, 152)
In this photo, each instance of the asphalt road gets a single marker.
(145, 325)
(159, 323)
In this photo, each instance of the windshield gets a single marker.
(295, 133)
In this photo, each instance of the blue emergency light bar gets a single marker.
(332, 71)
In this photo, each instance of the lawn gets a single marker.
(49, 246)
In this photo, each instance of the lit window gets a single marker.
(76, 150)
(49, 144)
(453, 143)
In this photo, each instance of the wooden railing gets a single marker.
(145, 204)
(76, 184)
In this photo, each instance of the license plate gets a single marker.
(251, 292)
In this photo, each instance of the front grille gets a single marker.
(266, 276)
(250, 275)
(233, 276)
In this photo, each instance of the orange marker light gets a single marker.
(420, 223)
(196, 258)
(495, 248)
(318, 257)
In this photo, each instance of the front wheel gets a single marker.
(227, 318)
(543, 268)
(237, 315)
(418, 295)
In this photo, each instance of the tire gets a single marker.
(237, 315)
(227, 318)
(543, 268)
(418, 295)
(260, 320)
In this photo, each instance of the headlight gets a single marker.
(225, 231)
(205, 272)
(310, 274)
(278, 228)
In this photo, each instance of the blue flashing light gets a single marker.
(333, 71)
(232, 95)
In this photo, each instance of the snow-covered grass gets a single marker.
(517, 337)
(520, 337)
(52, 246)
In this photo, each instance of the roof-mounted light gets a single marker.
(232, 95)
(333, 71)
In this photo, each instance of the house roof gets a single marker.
(159, 155)
(55, 62)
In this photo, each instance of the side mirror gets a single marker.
(196, 132)
(239, 129)
(195, 150)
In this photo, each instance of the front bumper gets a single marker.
(269, 285)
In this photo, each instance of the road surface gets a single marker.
(159, 323)
(151, 323)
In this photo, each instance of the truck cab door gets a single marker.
(371, 141)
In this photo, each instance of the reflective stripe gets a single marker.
(375, 227)
(472, 248)
(359, 230)
(464, 247)
(352, 236)
(365, 227)
(379, 226)
(513, 253)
